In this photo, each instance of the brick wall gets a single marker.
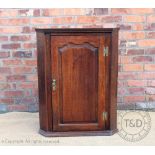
(18, 74)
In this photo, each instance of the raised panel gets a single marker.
(78, 65)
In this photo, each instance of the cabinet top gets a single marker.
(76, 30)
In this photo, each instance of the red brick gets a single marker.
(135, 52)
(124, 26)
(119, 99)
(151, 83)
(14, 22)
(150, 90)
(28, 93)
(151, 19)
(22, 70)
(150, 26)
(36, 12)
(13, 78)
(136, 83)
(27, 29)
(138, 27)
(4, 86)
(16, 107)
(28, 85)
(133, 99)
(22, 54)
(11, 46)
(149, 67)
(12, 62)
(64, 20)
(30, 62)
(6, 100)
(8, 13)
(32, 78)
(14, 86)
(125, 59)
(145, 43)
(134, 18)
(41, 20)
(10, 30)
(125, 75)
(136, 91)
(150, 51)
(150, 35)
(132, 35)
(68, 20)
(29, 12)
(120, 83)
(25, 12)
(145, 75)
(75, 11)
(35, 92)
(86, 19)
(132, 11)
(107, 25)
(20, 38)
(3, 38)
(150, 97)
(142, 59)
(29, 45)
(44, 26)
(4, 54)
(25, 101)
(122, 91)
(5, 70)
(35, 53)
(100, 11)
(2, 77)
(137, 49)
(141, 10)
(133, 67)
(110, 19)
(16, 93)
(52, 12)
(119, 11)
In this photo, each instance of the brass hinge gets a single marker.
(53, 84)
(105, 116)
(105, 51)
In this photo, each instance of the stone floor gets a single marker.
(21, 128)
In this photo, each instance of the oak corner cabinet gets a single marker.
(77, 78)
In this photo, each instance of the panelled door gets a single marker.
(78, 82)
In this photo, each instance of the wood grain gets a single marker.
(86, 81)
(76, 69)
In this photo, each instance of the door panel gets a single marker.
(78, 66)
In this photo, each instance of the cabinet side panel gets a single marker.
(43, 81)
(113, 80)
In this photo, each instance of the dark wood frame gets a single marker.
(44, 79)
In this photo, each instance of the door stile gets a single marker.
(101, 84)
(55, 76)
(107, 41)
